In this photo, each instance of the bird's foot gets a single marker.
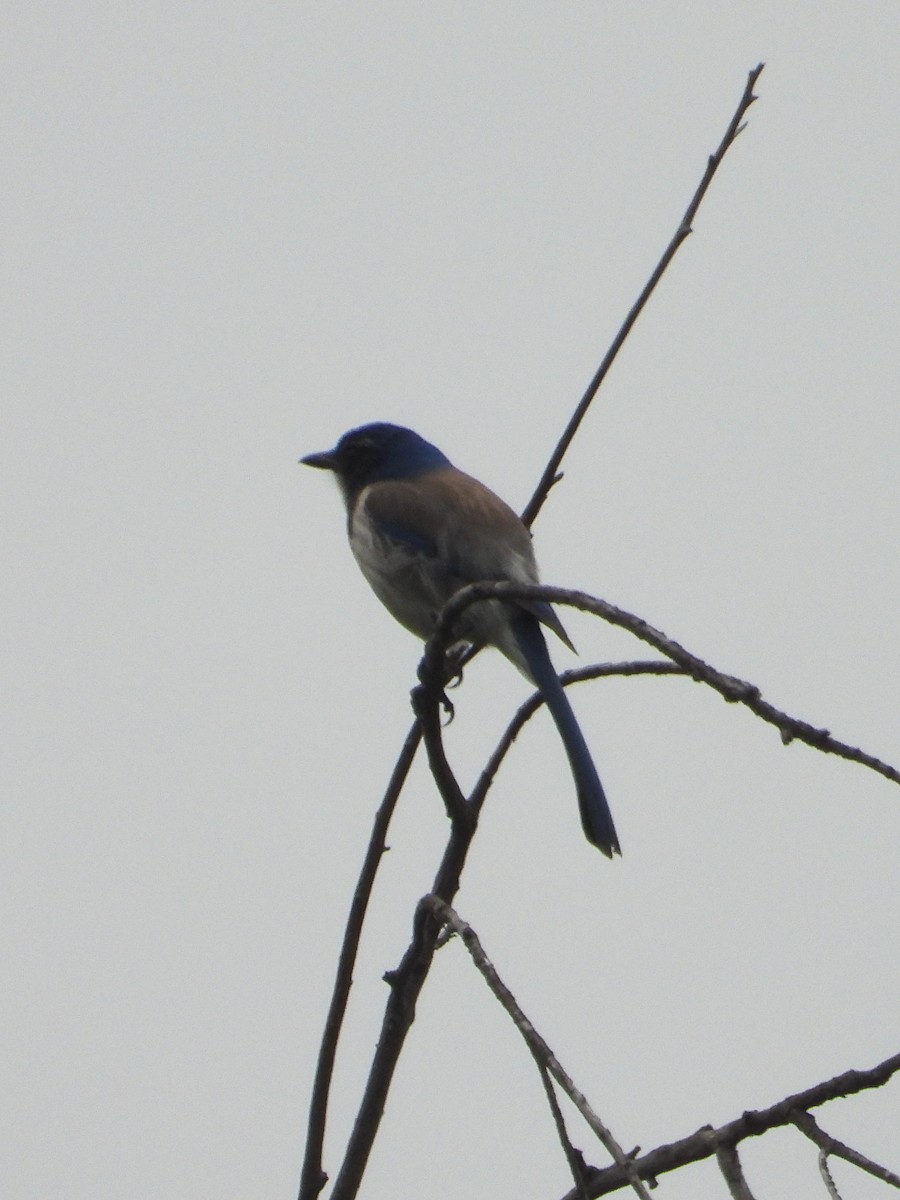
(427, 689)
(454, 661)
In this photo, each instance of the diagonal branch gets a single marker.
(732, 689)
(542, 1053)
(574, 1157)
(313, 1177)
(406, 983)
(807, 1124)
(550, 475)
(707, 1141)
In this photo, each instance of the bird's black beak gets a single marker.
(325, 460)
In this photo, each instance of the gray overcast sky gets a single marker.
(233, 231)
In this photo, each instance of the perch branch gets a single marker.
(732, 689)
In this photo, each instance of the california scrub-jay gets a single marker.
(421, 530)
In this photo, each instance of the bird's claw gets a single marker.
(447, 706)
(453, 661)
(420, 696)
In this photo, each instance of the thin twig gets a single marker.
(551, 471)
(734, 690)
(704, 1143)
(536, 701)
(733, 1173)
(807, 1124)
(574, 1157)
(536, 1044)
(406, 983)
(313, 1178)
(827, 1177)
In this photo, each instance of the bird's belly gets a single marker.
(414, 586)
(406, 583)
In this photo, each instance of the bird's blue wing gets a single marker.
(466, 533)
(395, 512)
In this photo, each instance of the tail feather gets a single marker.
(596, 819)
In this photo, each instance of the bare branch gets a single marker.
(733, 1172)
(574, 1157)
(807, 1124)
(827, 1177)
(313, 1177)
(542, 1053)
(551, 471)
(407, 980)
(406, 983)
(734, 690)
(535, 701)
(706, 1141)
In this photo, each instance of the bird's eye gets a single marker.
(359, 456)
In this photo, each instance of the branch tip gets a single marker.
(536, 503)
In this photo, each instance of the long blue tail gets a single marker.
(596, 819)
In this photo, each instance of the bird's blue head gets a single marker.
(376, 453)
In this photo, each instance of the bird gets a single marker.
(420, 529)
